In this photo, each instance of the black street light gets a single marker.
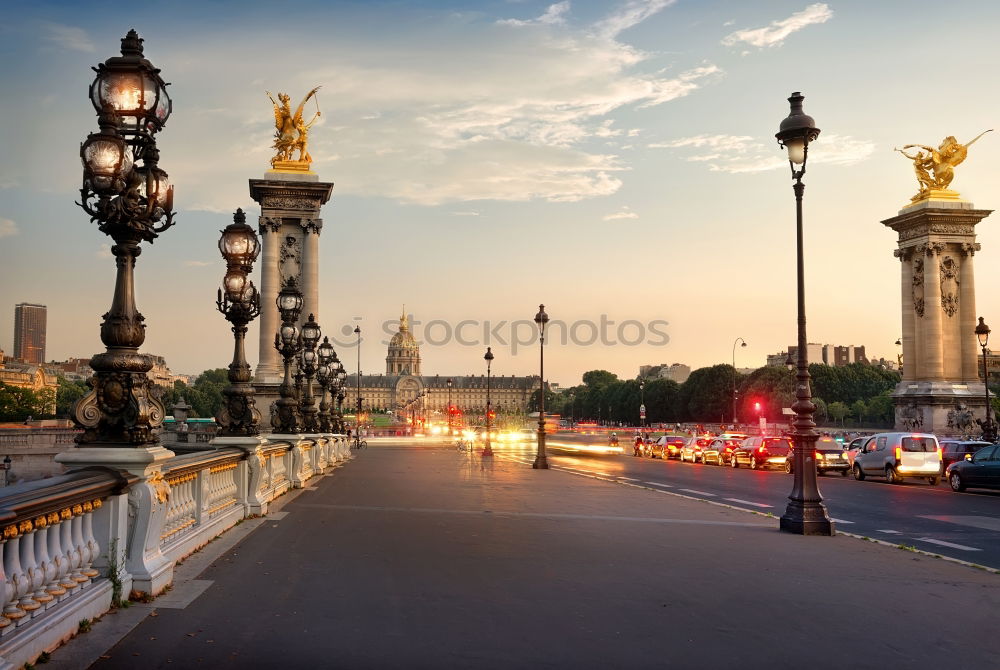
(805, 513)
(541, 460)
(239, 302)
(642, 404)
(357, 418)
(131, 203)
(488, 451)
(989, 426)
(738, 340)
(450, 427)
(288, 341)
(326, 375)
(308, 361)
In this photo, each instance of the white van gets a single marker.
(899, 456)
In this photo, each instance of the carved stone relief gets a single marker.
(918, 285)
(290, 202)
(290, 258)
(268, 224)
(949, 285)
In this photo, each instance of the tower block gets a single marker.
(940, 391)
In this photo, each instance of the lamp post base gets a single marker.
(541, 463)
(806, 518)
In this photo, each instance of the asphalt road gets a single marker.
(965, 526)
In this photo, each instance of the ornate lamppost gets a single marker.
(239, 302)
(488, 450)
(541, 459)
(742, 343)
(326, 374)
(450, 428)
(307, 368)
(642, 404)
(131, 203)
(805, 513)
(357, 419)
(989, 426)
(341, 394)
(288, 342)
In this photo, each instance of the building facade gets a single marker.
(827, 354)
(29, 332)
(29, 376)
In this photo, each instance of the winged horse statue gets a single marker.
(291, 131)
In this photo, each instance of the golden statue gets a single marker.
(935, 168)
(291, 133)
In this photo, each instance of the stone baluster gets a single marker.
(21, 604)
(74, 560)
(80, 549)
(92, 549)
(33, 575)
(59, 560)
(12, 575)
(6, 590)
(45, 567)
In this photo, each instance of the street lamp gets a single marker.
(357, 419)
(131, 203)
(326, 375)
(239, 302)
(307, 366)
(738, 340)
(449, 383)
(488, 451)
(541, 460)
(989, 426)
(805, 513)
(642, 404)
(288, 342)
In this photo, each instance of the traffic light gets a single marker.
(756, 407)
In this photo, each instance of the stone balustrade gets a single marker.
(75, 544)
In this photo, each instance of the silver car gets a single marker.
(899, 456)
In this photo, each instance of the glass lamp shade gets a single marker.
(541, 318)
(323, 373)
(310, 332)
(308, 356)
(133, 87)
(326, 353)
(106, 162)
(239, 244)
(289, 299)
(796, 130)
(249, 294)
(289, 334)
(982, 333)
(155, 186)
(235, 284)
(796, 150)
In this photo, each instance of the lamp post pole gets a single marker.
(357, 417)
(989, 426)
(488, 450)
(240, 304)
(642, 404)
(450, 427)
(541, 459)
(735, 342)
(805, 513)
(307, 366)
(288, 342)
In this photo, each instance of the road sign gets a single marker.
(642, 411)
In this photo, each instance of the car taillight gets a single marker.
(819, 456)
(899, 453)
(761, 450)
(940, 455)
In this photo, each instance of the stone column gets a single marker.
(310, 269)
(967, 305)
(933, 340)
(269, 368)
(908, 335)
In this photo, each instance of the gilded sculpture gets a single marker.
(935, 167)
(291, 132)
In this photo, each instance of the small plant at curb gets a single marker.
(907, 547)
(84, 625)
(43, 657)
(115, 574)
(140, 597)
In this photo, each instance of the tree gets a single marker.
(599, 378)
(771, 386)
(550, 401)
(17, 404)
(707, 394)
(838, 411)
(67, 395)
(662, 396)
(881, 410)
(822, 411)
(859, 409)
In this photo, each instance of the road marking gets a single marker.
(952, 545)
(666, 486)
(841, 521)
(747, 502)
(701, 493)
(628, 479)
(985, 522)
(889, 532)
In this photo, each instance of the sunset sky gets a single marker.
(610, 159)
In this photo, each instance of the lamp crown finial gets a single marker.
(132, 44)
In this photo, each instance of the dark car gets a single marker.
(720, 450)
(762, 452)
(691, 451)
(982, 471)
(830, 457)
(958, 450)
(667, 446)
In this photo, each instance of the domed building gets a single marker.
(403, 389)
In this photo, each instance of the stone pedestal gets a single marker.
(940, 392)
(289, 228)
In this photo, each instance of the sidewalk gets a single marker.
(430, 558)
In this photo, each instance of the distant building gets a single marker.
(28, 376)
(826, 354)
(677, 372)
(29, 333)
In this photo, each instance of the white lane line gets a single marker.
(841, 521)
(888, 532)
(700, 493)
(666, 486)
(628, 479)
(952, 545)
(747, 502)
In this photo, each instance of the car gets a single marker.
(720, 450)
(980, 471)
(667, 446)
(762, 452)
(899, 456)
(691, 450)
(830, 457)
(853, 447)
(958, 450)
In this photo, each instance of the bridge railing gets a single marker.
(74, 545)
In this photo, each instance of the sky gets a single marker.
(614, 160)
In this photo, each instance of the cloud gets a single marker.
(104, 252)
(8, 228)
(196, 264)
(554, 15)
(68, 37)
(631, 14)
(466, 213)
(625, 213)
(741, 153)
(774, 34)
